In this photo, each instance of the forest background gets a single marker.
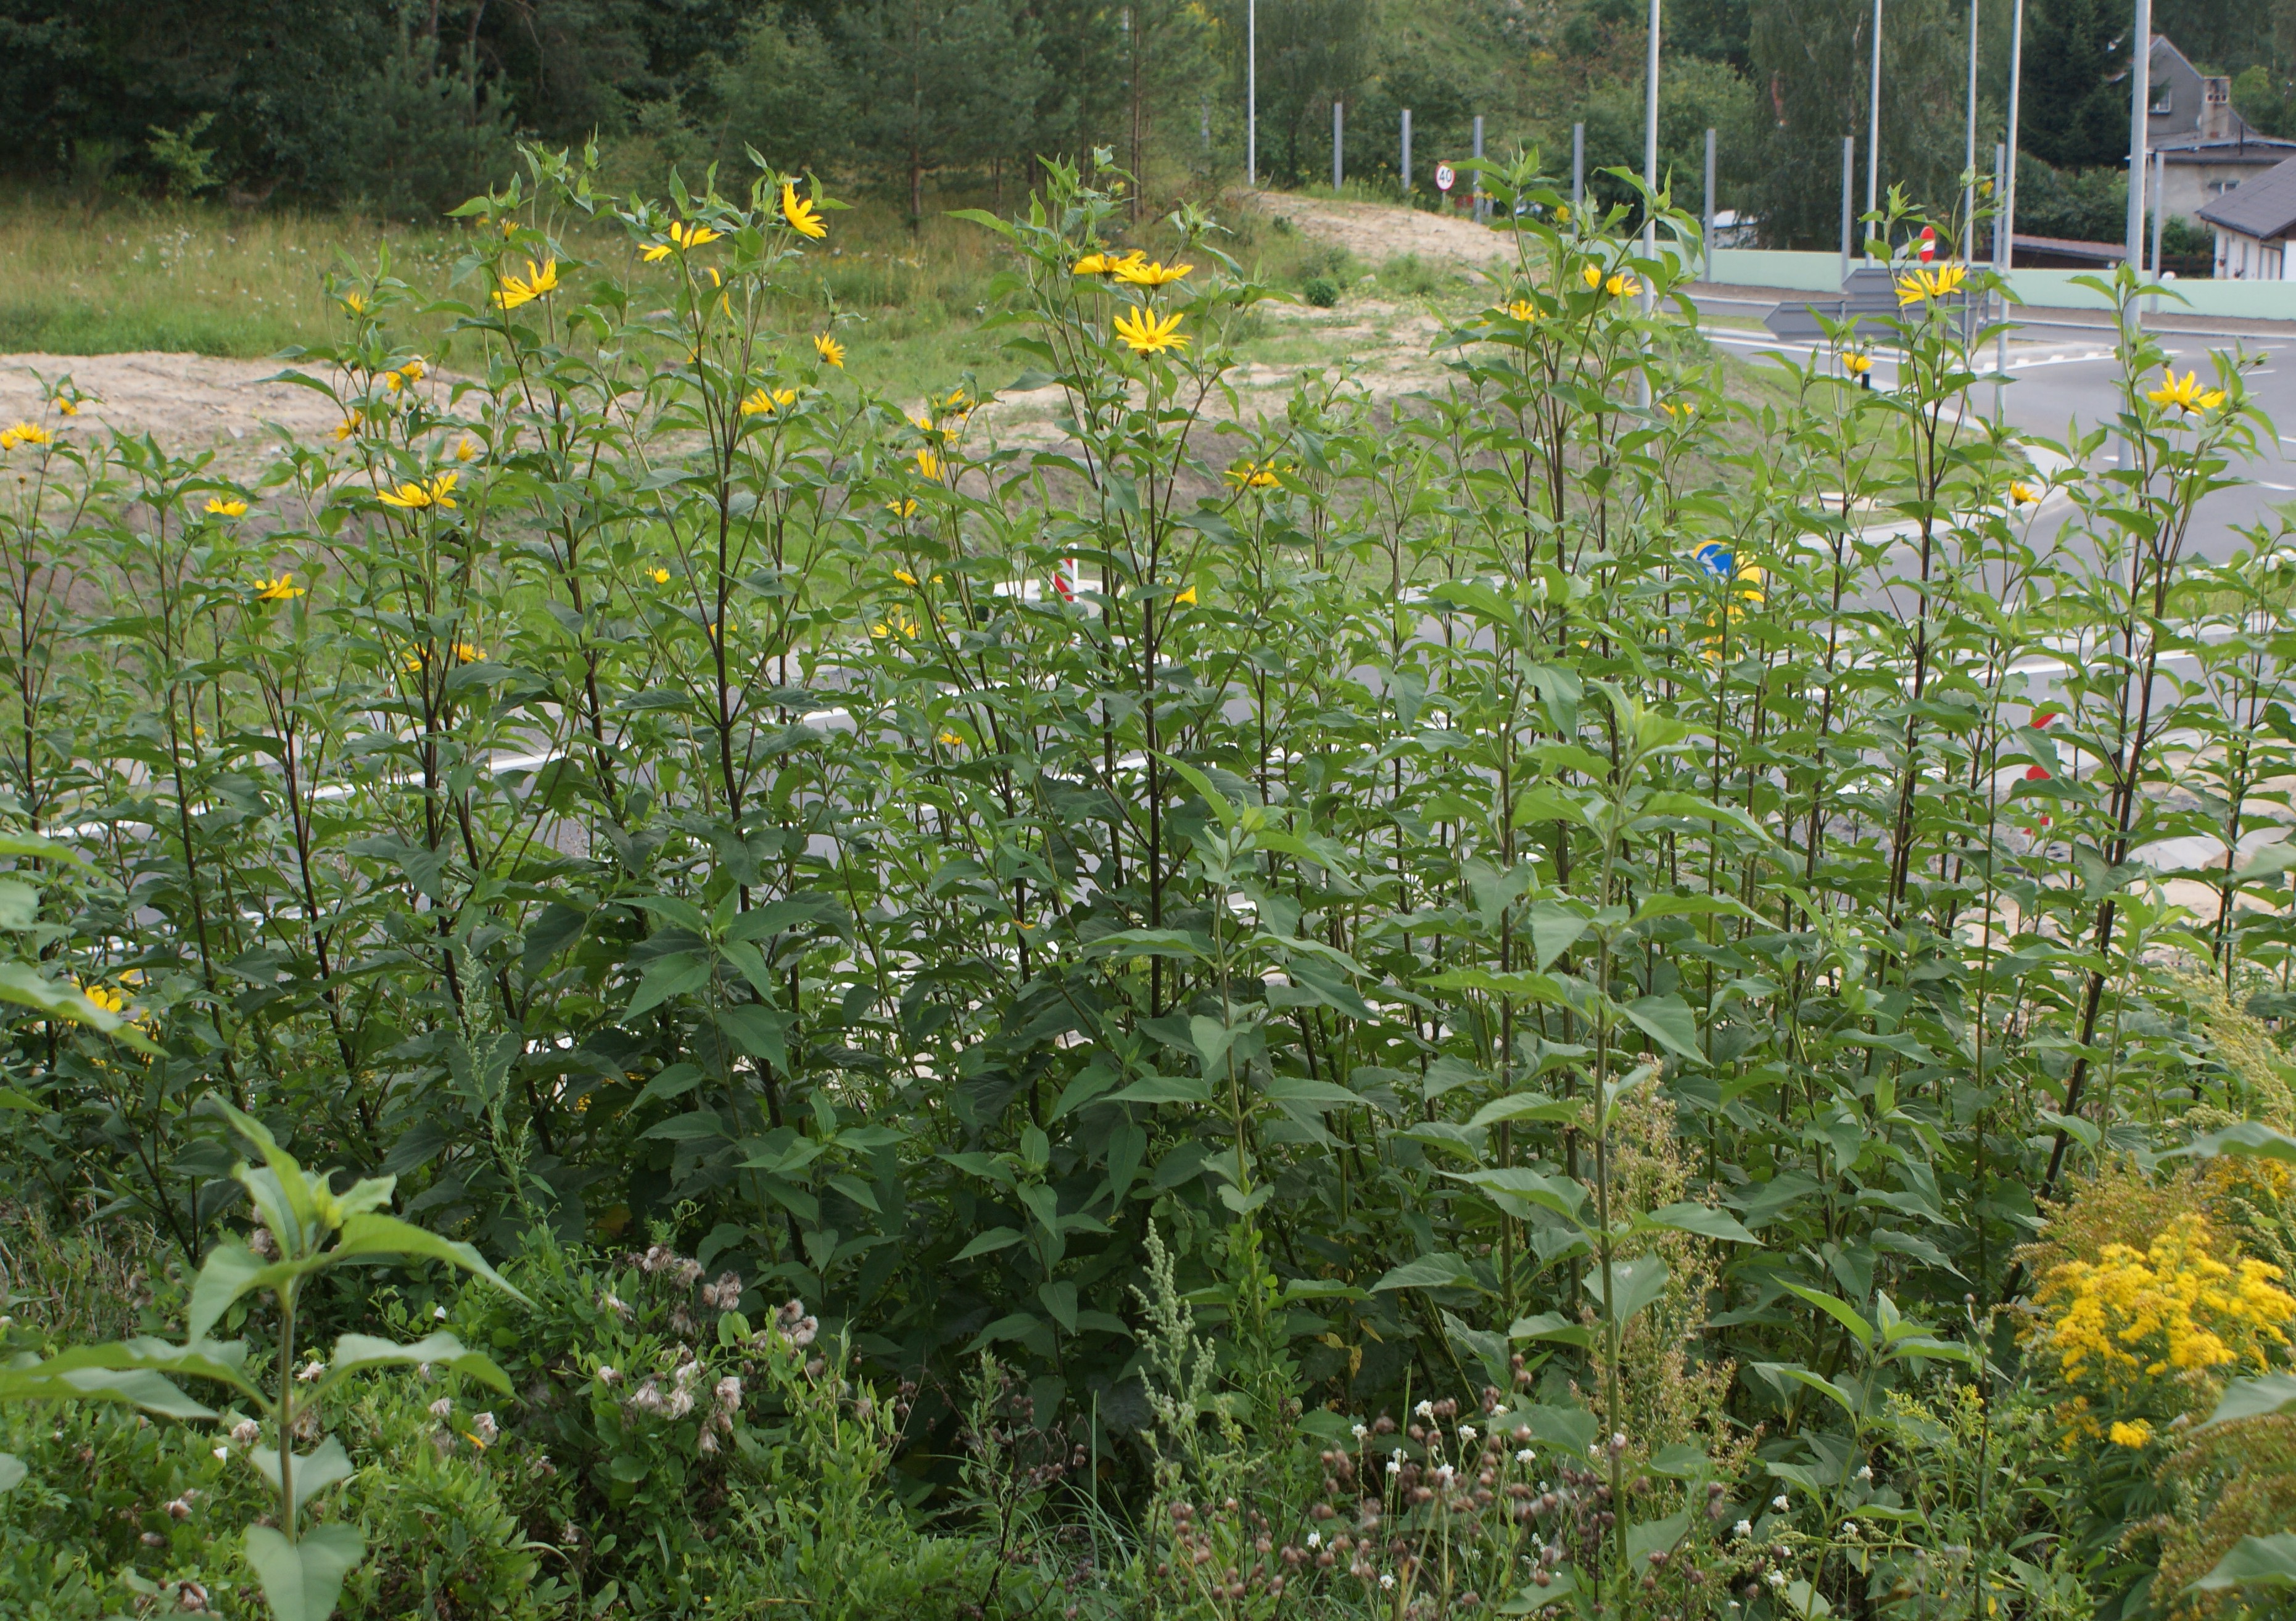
(405, 109)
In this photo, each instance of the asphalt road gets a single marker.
(2061, 376)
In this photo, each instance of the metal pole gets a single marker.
(1710, 205)
(2140, 108)
(1650, 144)
(1578, 168)
(2000, 265)
(1968, 151)
(1252, 93)
(1849, 199)
(2159, 215)
(1407, 151)
(1477, 192)
(1339, 146)
(2007, 228)
(1874, 123)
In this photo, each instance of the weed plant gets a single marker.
(1495, 977)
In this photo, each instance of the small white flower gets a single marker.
(1396, 1454)
(1777, 1579)
(1466, 1434)
(1393, 1468)
(1619, 1441)
(1595, 1449)
(1361, 1430)
(484, 1427)
(439, 1314)
(1315, 1539)
(1849, 1527)
(1744, 1528)
(1526, 1456)
(1779, 1503)
(1443, 1475)
(1866, 1472)
(222, 1453)
(442, 1409)
(1425, 1410)
(310, 1371)
(1386, 1581)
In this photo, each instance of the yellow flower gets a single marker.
(1521, 309)
(1681, 413)
(355, 302)
(828, 349)
(412, 496)
(902, 509)
(1146, 335)
(411, 371)
(928, 463)
(1186, 599)
(958, 404)
(905, 576)
(1253, 475)
(468, 653)
(220, 507)
(895, 623)
(1621, 285)
(25, 433)
(2184, 393)
(70, 407)
(539, 279)
(2021, 493)
(465, 448)
(767, 402)
(1143, 273)
(681, 236)
(950, 738)
(105, 997)
(1920, 284)
(1563, 214)
(803, 218)
(660, 577)
(1857, 365)
(345, 428)
(2130, 1436)
(1592, 275)
(281, 590)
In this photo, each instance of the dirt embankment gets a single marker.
(184, 401)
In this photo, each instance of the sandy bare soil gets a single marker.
(184, 401)
(1376, 233)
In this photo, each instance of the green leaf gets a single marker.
(1551, 1325)
(1430, 1272)
(1668, 1021)
(1632, 1285)
(1311, 1095)
(1560, 1584)
(1554, 929)
(230, 1271)
(1653, 1536)
(381, 1235)
(1704, 1220)
(2254, 1561)
(1559, 1194)
(990, 1242)
(1800, 1375)
(674, 975)
(1527, 1106)
(23, 984)
(1164, 1089)
(12, 1472)
(2254, 1398)
(356, 1352)
(324, 1465)
(1841, 1310)
(2252, 1137)
(302, 1580)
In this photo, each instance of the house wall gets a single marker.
(2245, 258)
(2191, 186)
(2176, 86)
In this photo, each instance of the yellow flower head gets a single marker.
(2021, 493)
(950, 738)
(1143, 273)
(682, 237)
(905, 576)
(1519, 309)
(25, 433)
(1091, 264)
(768, 401)
(220, 508)
(1856, 365)
(928, 462)
(468, 653)
(105, 997)
(1253, 475)
(902, 509)
(894, 624)
(1621, 285)
(1920, 284)
(439, 492)
(465, 448)
(67, 404)
(828, 349)
(660, 577)
(281, 590)
(538, 280)
(2184, 393)
(1146, 335)
(1186, 599)
(803, 217)
(1592, 275)
(345, 428)
(355, 302)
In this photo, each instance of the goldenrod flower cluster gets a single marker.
(2172, 1310)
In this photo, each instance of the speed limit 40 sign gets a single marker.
(1446, 176)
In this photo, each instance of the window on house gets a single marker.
(2164, 99)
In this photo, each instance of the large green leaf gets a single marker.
(12, 1472)
(1668, 1021)
(383, 1235)
(2254, 1561)
(1632, 1285)
(2254, 1398)
(1430, 1272)
(324, 1465)
(303, 1579)
(1704, 1220)
(355, 1352)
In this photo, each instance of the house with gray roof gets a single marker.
(2253, 224)
(2207, 148)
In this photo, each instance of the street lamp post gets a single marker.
(1578, 169)
(1968, 151)
(1251, 92)
(2140, 108)
(1650, 144)
(1339, 147)
(2007, 228)
(1406, 152)
(1874, 123)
